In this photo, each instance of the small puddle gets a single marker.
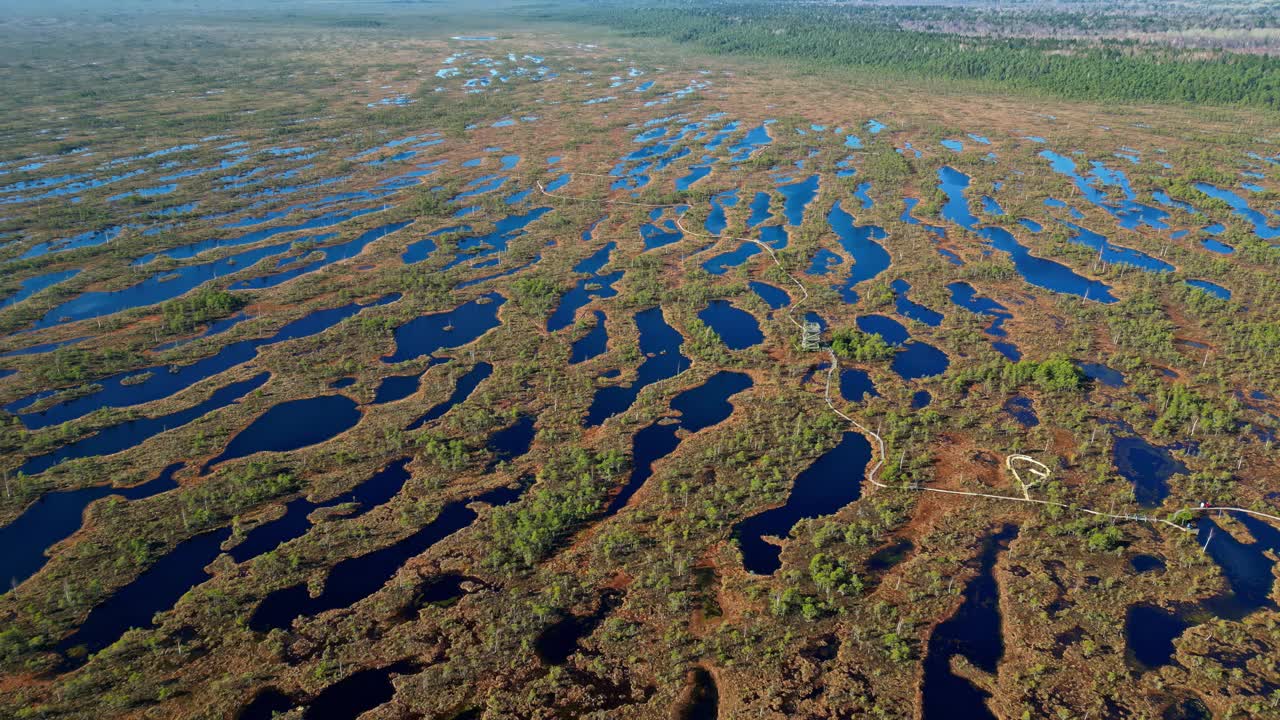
(1146, 563)
(700, 699)
(557, 643)
(512, 441)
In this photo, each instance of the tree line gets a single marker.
(838, 38)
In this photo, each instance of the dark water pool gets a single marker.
(35, 284)
(737, 328)
(1146, 563)
(158, 588)
(184, 252)
(1103, 374)
(557, 643)
(163, 381)
(975, 632)
(891, 330)
(357, 693)
(918, 360)
(378, 489)
(869, 257)
(1246, 566)
(117, 438)
(776, 298)
(856, 385)
(796, 197)
(505, 230)
(465, 386)
(1149, 634)
(1020, 408)
(593, 344)
(1147, 467)
(720, 264)
(716, 221)
(451, 329)
(908, 308)
(395, 388)
(292, 425)
(328, 255)
(1150, 631)
(660, 344)
(964, 295)
(265, 705)
(700, 407)
(596, 260)
(1040, 272)
(596, 286)
(514, 440)
(354, 579)
(55, 517)
(703, 698)
(831, 482)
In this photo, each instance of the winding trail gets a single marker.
(834, 364)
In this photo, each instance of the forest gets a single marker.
(821, 37)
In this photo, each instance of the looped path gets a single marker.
(881, 453)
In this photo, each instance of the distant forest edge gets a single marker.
(1107, 70)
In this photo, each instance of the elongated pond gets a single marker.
(833, 481)
(660, 345)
